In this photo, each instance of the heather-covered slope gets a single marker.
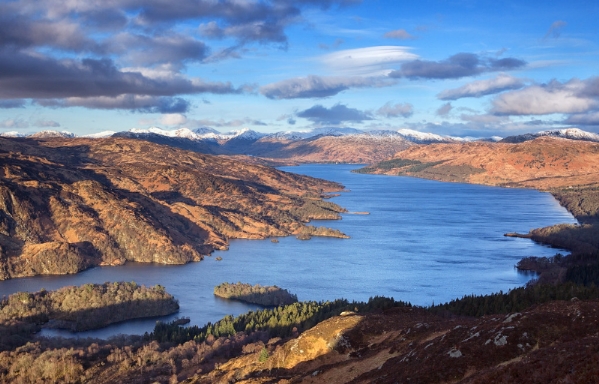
(554, 342)
(359, 149)
(542, 163)
(68, 204)
(536, 334)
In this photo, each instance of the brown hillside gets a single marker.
(554, 342)
(68, 204)
(359, 149)
(542, 163)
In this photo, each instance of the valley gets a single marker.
(162, 191)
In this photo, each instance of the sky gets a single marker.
(453, 67)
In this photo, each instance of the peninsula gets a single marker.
(69, 204)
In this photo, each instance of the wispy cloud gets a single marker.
(481, 88)
(555, 30)
(334, 45)
(370, 61)
(222, 123)
(400, 34)
(14, 123)
(47, 123)
(396, 110)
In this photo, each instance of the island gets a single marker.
(89, 306)
(255, 294)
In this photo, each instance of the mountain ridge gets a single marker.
(328, 144)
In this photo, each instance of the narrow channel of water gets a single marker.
(423, 241)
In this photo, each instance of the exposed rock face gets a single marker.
(542, 163)
(68, 204)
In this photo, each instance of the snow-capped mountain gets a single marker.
(50, 134)
(335, 131)
(245, 134)
(424, 137)
(12, 134)
(204, 130)
(289, 135)
(567, 133)
(100, 135)
(182, 132)
(571, 133)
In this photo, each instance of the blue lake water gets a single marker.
(423, 242)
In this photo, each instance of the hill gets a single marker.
(359, 149)
(542, 163)
(67, 204)
(531, 335)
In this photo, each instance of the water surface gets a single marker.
(423, 241)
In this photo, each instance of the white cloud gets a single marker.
(173, 119)
(390, 110)
(14, 123)
(47, 123)
(371, 61)
(480, 88)
(400, 34)
(554, 97)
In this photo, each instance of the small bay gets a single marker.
(423, 241)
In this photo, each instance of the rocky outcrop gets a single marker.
(69, 204)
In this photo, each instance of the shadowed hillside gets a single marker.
(543, 163)
(359, 149)
(69, 204)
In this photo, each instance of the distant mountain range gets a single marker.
(328, 144)
(568, 133)
(205, 133)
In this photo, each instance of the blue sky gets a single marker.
(464, 68)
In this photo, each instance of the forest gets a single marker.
(89, 306)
